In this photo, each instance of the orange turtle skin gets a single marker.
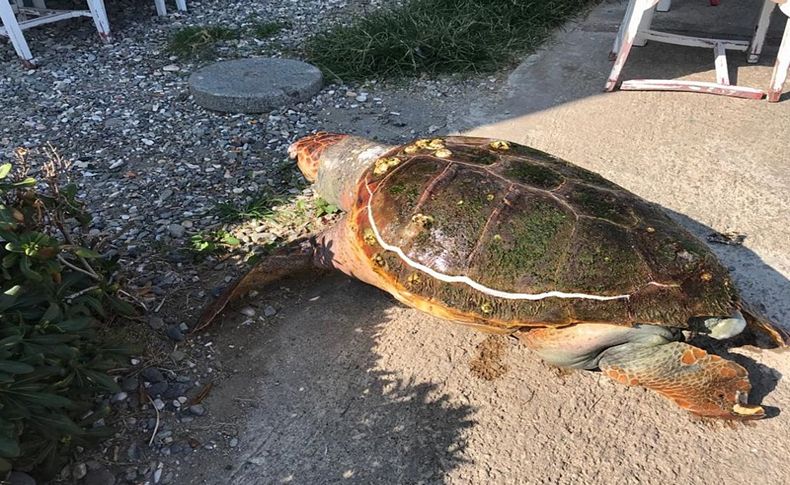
(513, 240)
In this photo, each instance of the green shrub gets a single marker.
(434, 36)
(55, 293)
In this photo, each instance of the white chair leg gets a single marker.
(15, 34)
(760, 30)
(780, 68)
(664, 5)
(644, 26)
(632, 23)
(618, 40)
(99, 15)
(161, 9)
(181, 5)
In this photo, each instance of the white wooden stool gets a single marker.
(782, 64)
(635, 30)
(40, 15)
(161, 9)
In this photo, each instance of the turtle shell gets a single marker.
(499, 234)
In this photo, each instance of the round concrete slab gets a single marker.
(254, 85)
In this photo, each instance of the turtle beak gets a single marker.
(747, 411)
(742, 410)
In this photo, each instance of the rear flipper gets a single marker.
(765, 333)
(704, 384)
(296, 257)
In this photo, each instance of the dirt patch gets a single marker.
(489, 362)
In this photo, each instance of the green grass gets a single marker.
(199, 40)
(438, 36)
(259, 207)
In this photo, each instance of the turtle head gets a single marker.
(308, 151)
(335, 163)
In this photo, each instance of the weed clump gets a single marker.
(438, 36)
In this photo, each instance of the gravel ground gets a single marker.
(152, 167)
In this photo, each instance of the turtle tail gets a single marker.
(765, 333)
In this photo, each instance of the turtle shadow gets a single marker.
(319, 407)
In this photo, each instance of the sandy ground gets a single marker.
(349, 387)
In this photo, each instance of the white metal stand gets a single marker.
(32, 17)
(635, 30)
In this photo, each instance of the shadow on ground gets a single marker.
(313, 408)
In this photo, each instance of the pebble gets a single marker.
(174, 333)
(234, 442)
(269, 311)
(129, 384)
(156, 322)
(159, 404)
(79, 471)
(20, 478)
(247, 311)
(197, 409)
(152, 374)
(120, 396)
(177, 355)
(171, 68)
(176, 230)
(100, 476)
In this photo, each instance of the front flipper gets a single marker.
(296, 257)
(699, 382)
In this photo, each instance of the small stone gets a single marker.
(171, 68)
(100, 476)
(177, 355)
(152, 374)
(156, 322)
(269, 311)
(120, 397)
(79, 471)
(129, 384)
(116, 164)
(248, 311)
(157, 475)
(176, 230)
(183, 327)
(20, 478)
(134, 361)
(234, 442)
(175, 333)
(197, 409)
(158, 389)
(362, 97)
(159, 404)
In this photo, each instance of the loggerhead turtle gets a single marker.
(513, 240)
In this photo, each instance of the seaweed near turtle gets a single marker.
(512, 240)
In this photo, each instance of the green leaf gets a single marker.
(26, 182)
(13, 367)
(5, 169)
(52, 314)
(24, 265)
(13, 291)
(52, 400)
(87, 253)
(102, 380)
(74, 325)
(9, 447)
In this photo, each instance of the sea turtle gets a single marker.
(513, 240)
